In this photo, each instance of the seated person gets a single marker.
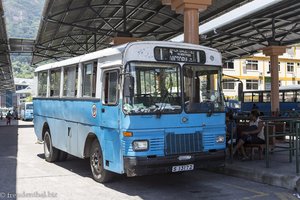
(254, 134)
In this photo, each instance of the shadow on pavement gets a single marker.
(26, 126)
(8, 160)
(74, 164)
(145, 187)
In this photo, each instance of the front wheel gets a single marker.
(100, 174)
(51, 153)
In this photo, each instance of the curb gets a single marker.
(262, 176)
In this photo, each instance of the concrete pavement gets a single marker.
(23, 171)
(281, 172)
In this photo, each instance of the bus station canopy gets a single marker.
(6, 74)
(71, 28)
(276, 25)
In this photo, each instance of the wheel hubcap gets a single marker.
(47, 145)
(96, 161)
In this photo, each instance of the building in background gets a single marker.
(13, 99)
(23, 89)
(254, 72)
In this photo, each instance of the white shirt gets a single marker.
(261, 134)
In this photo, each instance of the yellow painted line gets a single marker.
(257, 193)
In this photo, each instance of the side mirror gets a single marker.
(240, 91)
(128, 86)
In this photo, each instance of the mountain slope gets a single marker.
(22, 17)
(22, 21)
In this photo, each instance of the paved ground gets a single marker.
(24, 172)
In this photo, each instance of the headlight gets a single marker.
(220, 139)
(140, 145)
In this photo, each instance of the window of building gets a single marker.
(110, 87)
(227, 85)
(89, 80)
(228, 65)
(70, 81)
(251, 64)
(252, 84)
(55, 82)
(290, 67)
(42, 84)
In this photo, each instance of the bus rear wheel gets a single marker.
(51, 153)
(100, 174)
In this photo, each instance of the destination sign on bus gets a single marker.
(179, 55)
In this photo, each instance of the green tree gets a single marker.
(22, 21)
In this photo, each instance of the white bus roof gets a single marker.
(119, 50)
(289, 87)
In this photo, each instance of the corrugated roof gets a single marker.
(276, 25)
(71, 27)
(6, 74)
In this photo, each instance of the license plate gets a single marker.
(181, 168)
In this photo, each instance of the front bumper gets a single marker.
(138, 166)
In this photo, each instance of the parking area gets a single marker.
(25, 174)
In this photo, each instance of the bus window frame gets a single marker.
(103, 83)
(219, 86)
(65, 69)
(54, 71)
(42, 86)
(93, 81)
(180, 74)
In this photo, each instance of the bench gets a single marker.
(261, 147)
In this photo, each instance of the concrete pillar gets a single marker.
(274, 52)
(190, 9)
(191, 24)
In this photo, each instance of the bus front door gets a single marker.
(110, 113)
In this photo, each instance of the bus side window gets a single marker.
(297, 96)
(89, 79)
(70, 81)
(110, 87)
(55, 82)
(42, 84)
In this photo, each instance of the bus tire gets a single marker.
(51, 153)
(62, 156)
(100, 174)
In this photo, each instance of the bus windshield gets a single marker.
(29, 106)
(201, 89)
(157, 88)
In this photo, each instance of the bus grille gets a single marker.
(183, 143)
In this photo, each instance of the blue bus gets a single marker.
(136, 109)
(233, 106)
(26, 111)
(289, 100)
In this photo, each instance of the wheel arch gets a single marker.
(88, 143)
(45, 127)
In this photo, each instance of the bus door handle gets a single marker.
(69, 131)
(103, 110)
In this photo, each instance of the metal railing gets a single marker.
(292, 133)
